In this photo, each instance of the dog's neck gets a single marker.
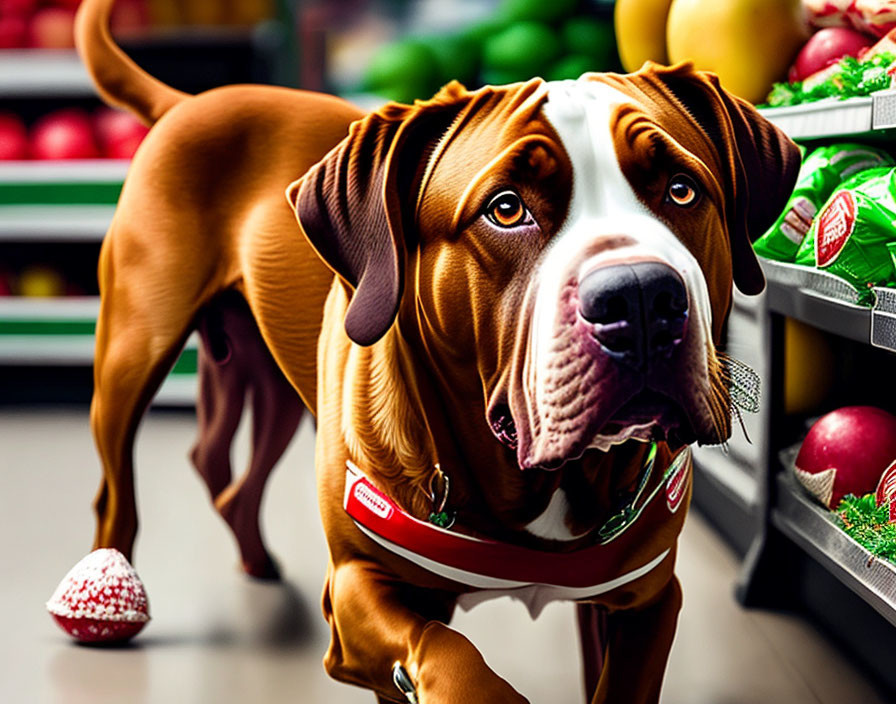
(401, 415)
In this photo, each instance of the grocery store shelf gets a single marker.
(811, 528)
(883, 319)
(825, 118)
(54, 223)
(64, 171)
(829, 303)
(817, 298)
(59, 331)
(836, 118)
(39, 72)
(70, 183)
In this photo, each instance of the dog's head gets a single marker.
(569, 247)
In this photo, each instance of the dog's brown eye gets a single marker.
(507, 210)
(683, 191)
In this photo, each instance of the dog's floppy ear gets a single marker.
(763, 162)
(352, 205)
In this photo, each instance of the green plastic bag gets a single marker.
(852, 234)
(821, 173)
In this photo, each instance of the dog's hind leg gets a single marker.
(140, 332)
(235, 363)
(220, 401)
(276, 412)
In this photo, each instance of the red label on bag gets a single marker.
(886, 487)
(835, 225)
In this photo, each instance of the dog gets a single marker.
(234, 366)
(503, 308)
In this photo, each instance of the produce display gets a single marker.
(822, 172)
(852, 234)
(641, 31)
(48, 24)
(71, 133)
(847, 78)
(846, 452)
(874, 17)
(847, 463)
(838, 63)
(750, 44)
(525, 38)
(869, 524)
(825, 48)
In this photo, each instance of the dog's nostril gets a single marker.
(638, 310)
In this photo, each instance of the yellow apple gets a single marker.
(750, 44)
(641, 31)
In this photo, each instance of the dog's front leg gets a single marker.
(377, 621)
(638, 645)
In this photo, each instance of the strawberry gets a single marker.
(101, 599)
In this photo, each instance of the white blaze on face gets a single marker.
(603, 205)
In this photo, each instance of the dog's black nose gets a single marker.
(639, 310)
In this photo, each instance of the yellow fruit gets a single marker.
(750, 44)
(641, 31)
(809, 367)
(41, 282)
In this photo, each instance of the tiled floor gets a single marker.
(218, 637)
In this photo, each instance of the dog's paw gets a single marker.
(266, 569)
(101, 599)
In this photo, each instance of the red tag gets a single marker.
(835, 225)
(367, 496)
(886, 487)
(677, 482)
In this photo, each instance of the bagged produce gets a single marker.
(874, 17)
(823, 170)
(852, 231)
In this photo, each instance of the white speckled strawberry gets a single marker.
(101, 599)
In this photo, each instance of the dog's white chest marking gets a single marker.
(551, 524)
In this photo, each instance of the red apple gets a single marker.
(825, 47)
(64, 134)
(18, 8)
(13, 137)
(13, 32)
(70, 4)
(53, 28)
(118, 133)
(846, 452)
(129, 17)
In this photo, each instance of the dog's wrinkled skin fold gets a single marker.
(405, 316)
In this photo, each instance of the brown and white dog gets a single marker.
(519, 289)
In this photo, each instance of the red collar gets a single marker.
(493, 565)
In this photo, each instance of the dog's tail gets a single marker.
(119, 80)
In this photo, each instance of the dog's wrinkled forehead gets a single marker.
(581, 112)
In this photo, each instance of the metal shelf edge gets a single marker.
(809, 527)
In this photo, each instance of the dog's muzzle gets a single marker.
(638, 311)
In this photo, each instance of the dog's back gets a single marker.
(203, 210)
